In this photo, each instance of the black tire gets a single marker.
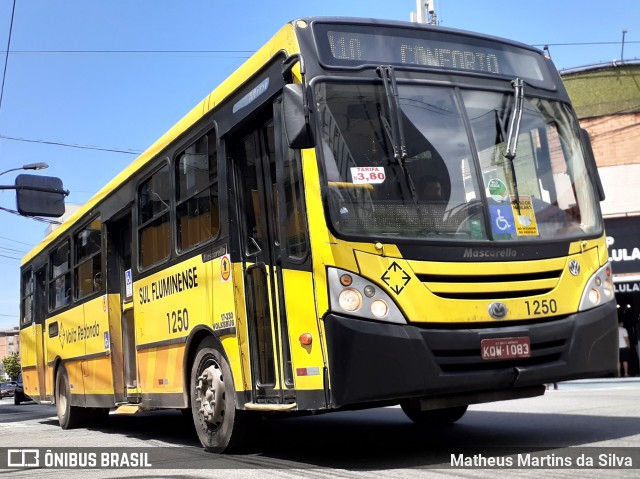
(69, 416)
(433, 417)
(219, 425)
(17, 398)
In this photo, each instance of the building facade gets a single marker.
(607, 101)
(9, 345)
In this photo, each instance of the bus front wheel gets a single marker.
(433, 417)
(69, 416)
(220, 426)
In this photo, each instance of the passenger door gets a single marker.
(39, 316)
(120, 289)
(253, 155)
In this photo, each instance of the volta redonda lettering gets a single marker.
(78, 333)
(175, 283)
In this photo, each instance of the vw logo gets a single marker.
(574, 267)
(497, 310)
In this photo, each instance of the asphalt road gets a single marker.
(591, 420)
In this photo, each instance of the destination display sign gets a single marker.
(350, 45)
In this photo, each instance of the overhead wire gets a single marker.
(579, 44)
(35, 218)
(6, 54)
(17, 241)
(71, 145)
(244, 53)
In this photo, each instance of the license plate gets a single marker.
(505, 348)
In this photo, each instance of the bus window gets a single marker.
(27, 297)
(88, 260)
(549, 168)
(60, 278)
(197, 208)
(153, 218)
(296, 238)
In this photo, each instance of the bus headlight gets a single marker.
(379, 308)
(607, 287)
(594, 296)
(350, 300)
(599, 289)
(359, 297)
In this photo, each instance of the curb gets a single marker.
(597, 383)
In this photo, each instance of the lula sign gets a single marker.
(626, 287)
(623, 242)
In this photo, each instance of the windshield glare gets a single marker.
(452, 186)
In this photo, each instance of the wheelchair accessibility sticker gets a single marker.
(502, 222)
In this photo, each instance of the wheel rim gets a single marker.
(62, 396)
(210, 396)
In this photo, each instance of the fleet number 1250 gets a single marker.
(178, 321)
(543, 306)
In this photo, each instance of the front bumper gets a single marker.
(371, 361)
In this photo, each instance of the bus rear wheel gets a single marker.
(218, 422)
(433, 417)
(69, 416)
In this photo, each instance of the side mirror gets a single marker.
(591, 164)
(40, 196)
(296, 117)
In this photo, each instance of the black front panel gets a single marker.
(371, 362)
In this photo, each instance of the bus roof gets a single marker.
(284, 39)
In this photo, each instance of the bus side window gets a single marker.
(88, 259)
(197, 207)
(153, 218)
(60, 277)
(27, 297)
(296, 237)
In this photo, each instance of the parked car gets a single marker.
(7, 389)
(19, 395)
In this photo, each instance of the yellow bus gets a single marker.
(366, 213)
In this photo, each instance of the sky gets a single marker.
(89, 84)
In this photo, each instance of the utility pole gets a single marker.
(425, 12)
(624, 32)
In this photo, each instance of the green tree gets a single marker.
(12, 366)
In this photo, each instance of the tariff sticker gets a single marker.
(364, 175)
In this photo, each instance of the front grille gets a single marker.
(459, 350)
(494, 295)
(501, 278)
(491, 287)
(494, 365)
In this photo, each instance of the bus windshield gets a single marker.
(454, 180)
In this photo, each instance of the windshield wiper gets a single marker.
(516, 119)
(514, 132)
(394, 130)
